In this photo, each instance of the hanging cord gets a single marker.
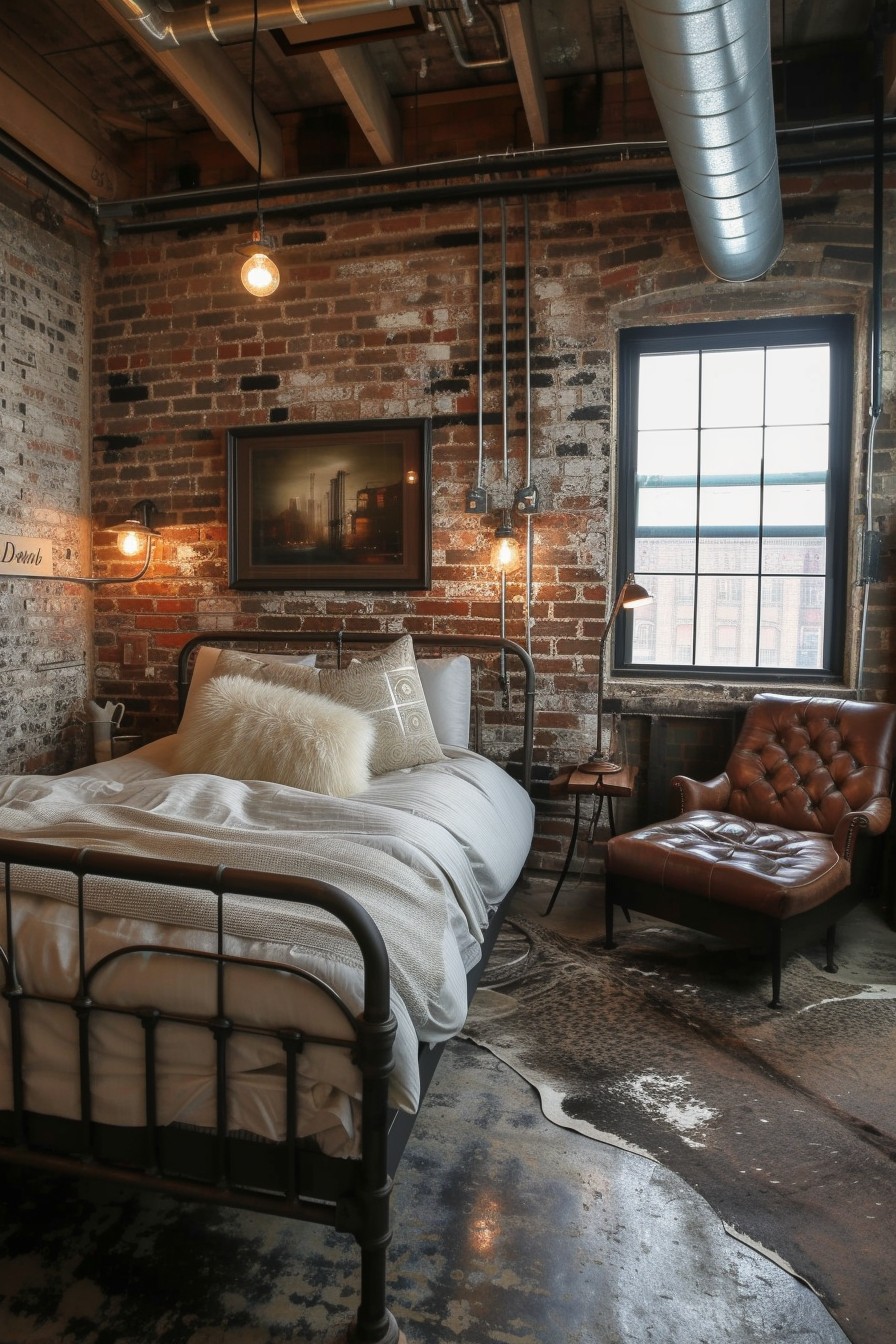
(255, 119)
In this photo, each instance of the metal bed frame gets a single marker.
(292, 1178)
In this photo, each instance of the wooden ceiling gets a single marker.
(84, 91)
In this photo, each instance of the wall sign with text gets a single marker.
(25, 555)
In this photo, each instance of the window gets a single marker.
(733, 483)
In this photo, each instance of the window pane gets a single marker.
(726, 622)
(798, 448)
(667, 555)
(668, 391)
(732, 391)
(668, 453)
(734, 555)
(667, 506)
(731, 452)
(674, 619)
(794, 555)
(794, 506)
(735, 506)
(798, 380)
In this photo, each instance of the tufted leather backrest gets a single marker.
(804, 763)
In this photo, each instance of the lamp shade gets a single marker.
(634, 595)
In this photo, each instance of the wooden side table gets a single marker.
(572, 779)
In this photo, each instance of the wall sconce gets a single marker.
(631, 594)
(135, 535)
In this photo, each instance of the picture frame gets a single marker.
(330, 505)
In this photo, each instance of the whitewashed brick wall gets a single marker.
(45, 628)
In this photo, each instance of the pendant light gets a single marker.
(259, 273)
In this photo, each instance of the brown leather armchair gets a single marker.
(764, 853)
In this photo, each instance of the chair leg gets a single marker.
(777, 960)
(829, 938)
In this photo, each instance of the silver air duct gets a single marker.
(234, 18)
(708, 66)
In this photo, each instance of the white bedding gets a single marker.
(427, 850)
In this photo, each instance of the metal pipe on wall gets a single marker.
(504, 447)
(871, 538)
(480, 354)
(527, 340)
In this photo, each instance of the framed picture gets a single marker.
(330, 505)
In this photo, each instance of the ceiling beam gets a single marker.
(207, 77)
(55, 122)
(364, 89)
(519, 31)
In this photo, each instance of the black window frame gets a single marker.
(837, 330)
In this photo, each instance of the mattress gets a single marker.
(429, 851)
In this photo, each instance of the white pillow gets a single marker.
(244, 728)
(446, 684)
(204, 665)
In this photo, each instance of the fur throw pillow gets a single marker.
(243, 728)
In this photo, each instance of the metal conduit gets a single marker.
(504, 444)
(708, 66)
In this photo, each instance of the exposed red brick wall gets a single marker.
(376, 317)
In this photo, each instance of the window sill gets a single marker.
(666, 695)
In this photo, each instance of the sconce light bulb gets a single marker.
(411, 477)
(130, 543)
(260, 275)
(505, 554)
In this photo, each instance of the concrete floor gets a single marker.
(509, 1228)
(564, 1240)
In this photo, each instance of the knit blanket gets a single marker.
(410, 874)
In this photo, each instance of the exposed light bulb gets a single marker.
(130, 543)
(260, 275)
(505, 554)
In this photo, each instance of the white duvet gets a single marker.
(427, 851)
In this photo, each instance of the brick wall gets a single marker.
(46, 289)
(376, 317)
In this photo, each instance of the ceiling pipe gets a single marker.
(513, 162)
(363, 202)
(452, 31)
(708, 67)
(222, 19)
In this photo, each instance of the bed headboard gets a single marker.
(339, 640)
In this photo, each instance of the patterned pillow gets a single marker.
(275, 669)
(387, 688)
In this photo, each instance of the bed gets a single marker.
(229, 970)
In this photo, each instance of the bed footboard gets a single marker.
(212, 1164)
